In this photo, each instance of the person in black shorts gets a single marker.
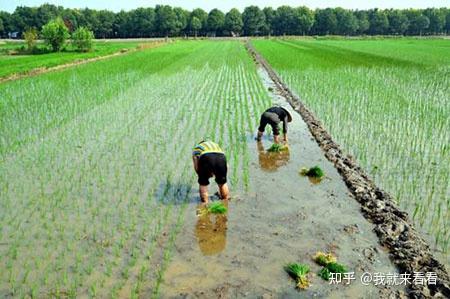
(273, 116)
(209, 160)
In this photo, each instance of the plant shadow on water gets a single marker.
(211, 232)
(271, 161)
(175, 193)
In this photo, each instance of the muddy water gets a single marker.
(283, 218)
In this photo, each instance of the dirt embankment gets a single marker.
(43, 70)
(407, 249)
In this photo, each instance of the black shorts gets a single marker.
(272, 119)
(212, 164)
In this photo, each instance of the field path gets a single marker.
(282, 218)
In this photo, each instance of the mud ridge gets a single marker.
(43, 70)
(407, 249)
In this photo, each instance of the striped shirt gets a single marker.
(205, 147)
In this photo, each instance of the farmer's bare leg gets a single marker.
(276, 138)
(224, 191)
(203, 190)
(258, 137)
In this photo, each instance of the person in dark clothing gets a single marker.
(273, 116)
(209, 160)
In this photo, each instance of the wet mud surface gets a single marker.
(407, 249)
(283, 218)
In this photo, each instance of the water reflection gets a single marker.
(211, 232)
(271, 161)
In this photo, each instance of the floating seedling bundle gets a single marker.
(329, 263)
(217, 208)
(277, 147)
(299, 273)
(313, 172)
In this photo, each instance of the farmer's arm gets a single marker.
(285, 122)
(195, 161)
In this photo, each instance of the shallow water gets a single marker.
(283, 218)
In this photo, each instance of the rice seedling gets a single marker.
(298, 272)
(217, 208)
(314, 172)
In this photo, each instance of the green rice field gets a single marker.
(95, 166)
(12, 64)
(387, 102)
(95, 160)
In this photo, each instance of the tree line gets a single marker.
(164, 20)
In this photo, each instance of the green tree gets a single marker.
(137, 23)
(202, 16)
(325, 21)
(233, 22)
(447, 22)
(31, 36)
(45, 13)
(23, 18)
(417, 22)
(254, 21)
(422, 23)
(379, 23)
(2, 28)
(70, 19)
(195, 25)
(363, 22)
(437, 20)
(104, 26)
(285, 19)
(166, 20)
(398, 21)
(347, 23)
(304, 20)
(216, 20)
(182, 17)
(55, 34)
(270, 15)
(5, 23)
(82, 39)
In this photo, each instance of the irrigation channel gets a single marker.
(282, 218)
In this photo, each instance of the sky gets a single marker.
(225, 5)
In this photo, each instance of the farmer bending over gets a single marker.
(273, 116)
(209, 160)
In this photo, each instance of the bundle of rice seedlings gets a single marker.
(298, 272)
(217, 208)
(336, 268)
(314, 172)
(325, 273)
(329, 263)
(277, 147)
(324, 258)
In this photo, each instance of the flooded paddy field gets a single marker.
(99, 197)
(386, 102)
(282, 218)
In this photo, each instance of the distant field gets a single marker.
(387, 103)
(95, 166)
(11, 64)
